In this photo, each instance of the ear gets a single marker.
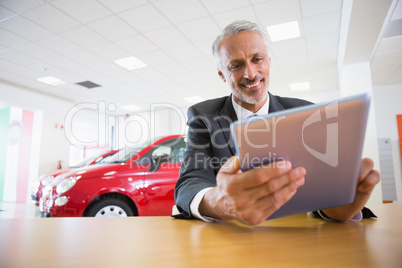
(221, 75)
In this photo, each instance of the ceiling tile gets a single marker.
(112, 28)
(214, 6)
(279, 11)
(8, 66)
(17, 57)
(322, 42)
(312, 8)
(41, 53)
(166, 37)
(108, 68)
(122, 5)
(136, 44)
(10, 40)
(145, 18)
(85, 57)
(21, 6)
(83, 11)
(110, 52)
(199, 29)
(65, 63)
(6, 13)
(84, 37)
(155, 58)
(322, 58)
(182, 52)
(225, 18)
(173, 10)
(288, 47)
(171, 69)
(23, 27)
(322, 24)
(205, 46)
(58, 44)
(51, 18)
(198, 64)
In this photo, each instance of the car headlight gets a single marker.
(65, 185)
(46, 180)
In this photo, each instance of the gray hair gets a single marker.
(234, 28)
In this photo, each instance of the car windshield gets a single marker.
(84, 162)
(124, 154)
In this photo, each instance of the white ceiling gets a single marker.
(78, 40)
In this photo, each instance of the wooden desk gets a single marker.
(297, 241)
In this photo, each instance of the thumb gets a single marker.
(232, 165)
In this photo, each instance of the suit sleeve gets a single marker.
(199, 167)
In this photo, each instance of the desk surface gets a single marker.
(296, 241)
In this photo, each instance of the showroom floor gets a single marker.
(9, 210)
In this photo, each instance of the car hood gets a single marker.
(89, 172)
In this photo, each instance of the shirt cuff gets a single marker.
(356, 218)
(195, 204)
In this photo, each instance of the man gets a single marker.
(211, 185)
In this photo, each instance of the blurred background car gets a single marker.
(45, 179)
(133, 182)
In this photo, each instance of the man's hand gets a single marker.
(251, 196)
(368, 178)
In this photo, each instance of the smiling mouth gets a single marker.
(255, 84)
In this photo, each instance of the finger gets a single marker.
(231, 166)
(294, 176)
(260, 175)
(367, 185)
(271, 203)
(366, 167)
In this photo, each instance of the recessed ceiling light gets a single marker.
(131, 107)
(299, 86)
(130, 63)
(284, 31)
(194, 99)
(51, 80)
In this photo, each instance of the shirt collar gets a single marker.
(242, 113)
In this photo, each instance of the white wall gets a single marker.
(54, 145)
(388, 103)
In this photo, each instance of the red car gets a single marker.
(133, 182)
(45, 179)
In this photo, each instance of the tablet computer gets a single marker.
(326, 139)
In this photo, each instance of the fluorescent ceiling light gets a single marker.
(130, 63)
(50, 80)
(194, 99)
(299, 86)
(131, 107)
(284, 31)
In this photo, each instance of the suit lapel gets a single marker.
(274, 104)
(227, 115)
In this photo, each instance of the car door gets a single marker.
(162, 175)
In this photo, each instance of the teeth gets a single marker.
(253, 85)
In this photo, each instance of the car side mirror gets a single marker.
(159, 156)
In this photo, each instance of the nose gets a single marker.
(250, 71)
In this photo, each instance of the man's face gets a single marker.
(245, 65)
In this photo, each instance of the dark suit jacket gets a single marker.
(209, 145)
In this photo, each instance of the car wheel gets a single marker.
(110, 207)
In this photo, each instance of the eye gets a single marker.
(234, 66)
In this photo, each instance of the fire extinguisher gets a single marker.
(59, 165)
